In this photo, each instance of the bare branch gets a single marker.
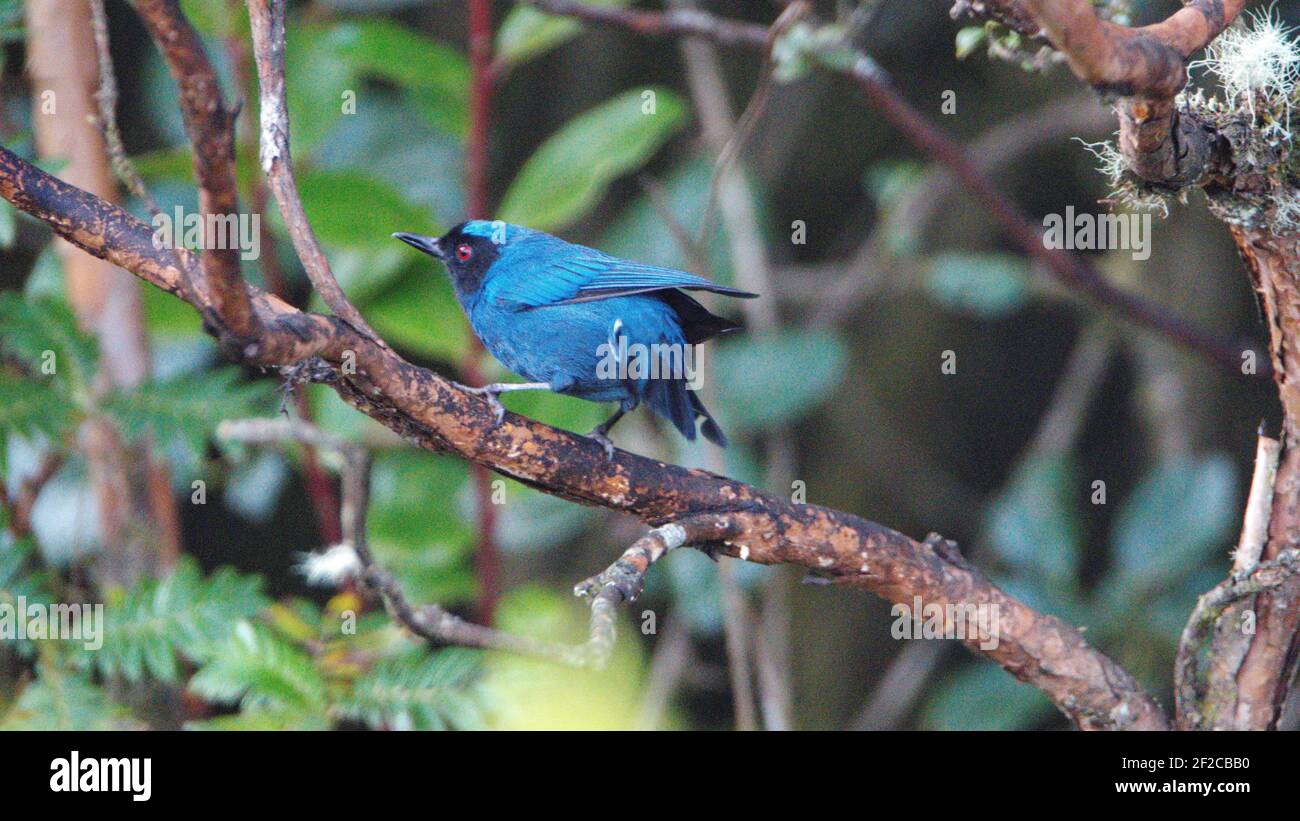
(267, 20)
(211, 130)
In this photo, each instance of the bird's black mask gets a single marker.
(467, 256)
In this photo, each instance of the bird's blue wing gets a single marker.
(548, 271)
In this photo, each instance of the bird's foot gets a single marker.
(493, 398)
(598, 435)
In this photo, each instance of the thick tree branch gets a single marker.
(211, 130)
(1145, 67)
(432, 414)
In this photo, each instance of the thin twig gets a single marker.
(1259, 506)
(106, 97)
(267, 22)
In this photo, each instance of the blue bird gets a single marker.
(580, 322)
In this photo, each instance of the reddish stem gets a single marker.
(487, 557)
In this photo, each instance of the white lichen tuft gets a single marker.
(1125, 190)
(1286, 211)
(1258, 64)
(331, 568)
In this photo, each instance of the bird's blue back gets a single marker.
(545, 307)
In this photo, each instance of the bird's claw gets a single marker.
(493, 399)
(604, 441)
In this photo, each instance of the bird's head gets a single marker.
(468, 250)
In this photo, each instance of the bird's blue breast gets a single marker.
(559, 343)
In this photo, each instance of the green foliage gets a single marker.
(419, 313)
(426, 545)
(418, 691)
(11, 23)
(569, 173)
(758, 386)
(1034, 522)
(526, 33)
(1179, 516)
(983, 696)
(258, 669)
(52, 362)
(63, 700)
(323, 62)
(31, 406)
(989, 286)
(187, 409)
(149, 628)
(32, 329)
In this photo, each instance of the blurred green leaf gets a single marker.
(46, 279)
(1033, 524)
(1178, 517)
(8, 224)
(969, 39)
(324, 63)
(526, 33)
(350, 209)
(408, 59)
(983, 696)
(213, 20)
(570, 171)
(424, 164)
(167, 315)
(989, 286)
(419, 313)
(775, 378)
(416, 528)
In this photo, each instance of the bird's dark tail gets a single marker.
(710, 427)
(673, 400)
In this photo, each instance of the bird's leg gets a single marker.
(494, 390)
(601, 432)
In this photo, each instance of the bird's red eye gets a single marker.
(464, 252)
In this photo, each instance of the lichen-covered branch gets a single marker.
(1144, 67)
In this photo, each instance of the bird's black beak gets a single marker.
(428, 245)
